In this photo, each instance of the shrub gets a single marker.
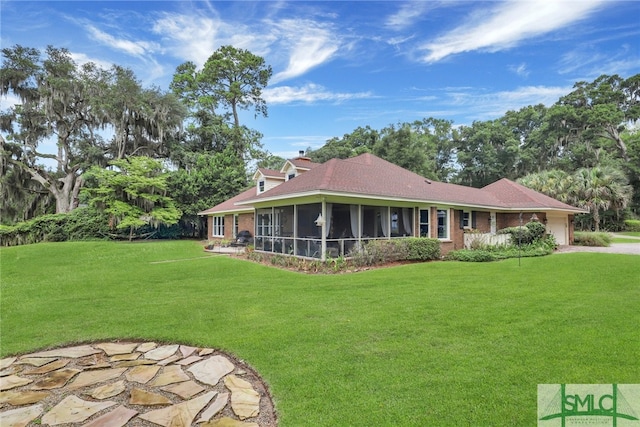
(80, 224)
(632, 225)
(527, 234)
(421, 249)
(588, 238)
(471, 255)
(542, 246)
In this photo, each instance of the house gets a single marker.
(326, 210)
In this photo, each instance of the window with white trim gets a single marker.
(261, 186)
(218, 226)
(235, 225)
(443, 223)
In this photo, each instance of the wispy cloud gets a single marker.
(135, 48)
(81, 59)
(406, 15)
(307, 43)
(520, 70)
(195, 37)
(591, 63)
(508, 24)
(484, 105)
(309, 93)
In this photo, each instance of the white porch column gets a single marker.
(323, 255)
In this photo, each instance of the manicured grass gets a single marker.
(623, 240)
(630, 233)
(440, 343)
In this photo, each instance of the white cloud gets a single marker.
(307, 43)
(520, 70)
(406, 15)
(81, 59)
(138, 48)
(507, 24)
(308, 93)
(491, 105)
(592, 63)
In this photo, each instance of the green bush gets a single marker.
(540, 247)
(632, 225)
(471, 255)
(421, 249)
(588, 238)
(80, 224)
(527, 234)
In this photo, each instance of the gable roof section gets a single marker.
(303, 163)
(516, 195)
(229, 206)
(268, 173)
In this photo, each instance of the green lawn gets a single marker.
(439, 343)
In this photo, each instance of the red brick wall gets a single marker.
(456, 234)
(504, 220)
(245, 222)
(482, 222)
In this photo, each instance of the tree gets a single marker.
(360, 141)
(66, 103)
(402, 146)
(231, 79)
(143, 120)
(594, 189)
(486, 152)
(54, 95)
(597, 189)
(205, 180)
(133, 193)
(599, 109)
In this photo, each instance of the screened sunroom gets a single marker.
(328, 230)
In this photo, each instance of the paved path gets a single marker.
(615, 248)
(131, 383)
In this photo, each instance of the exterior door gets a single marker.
(559, 228)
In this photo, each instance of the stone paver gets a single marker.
(245, 401)
(20, 417)
(211, 370)
(73, 410)
(97, 385)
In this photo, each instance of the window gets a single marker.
(291, 175)
(235, 226)
(260, 186)
(467, 219)
(464, 220)
(264, 224)
(424, 222)
(218, 226)
(443, 223)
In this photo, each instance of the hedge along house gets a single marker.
(327, 210)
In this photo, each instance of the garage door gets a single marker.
(559, 228)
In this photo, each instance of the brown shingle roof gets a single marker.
(230, 205)
(303, 163)
(515, 195)
(370, 176)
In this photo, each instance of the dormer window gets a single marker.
(261, 186)
(291, 176)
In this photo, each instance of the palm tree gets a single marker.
(600, 188)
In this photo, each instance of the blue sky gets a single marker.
(340, 65)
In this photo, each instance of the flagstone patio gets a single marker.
(112, 384)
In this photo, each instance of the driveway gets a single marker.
(615, 248)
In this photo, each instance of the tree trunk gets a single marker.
(596, 219)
